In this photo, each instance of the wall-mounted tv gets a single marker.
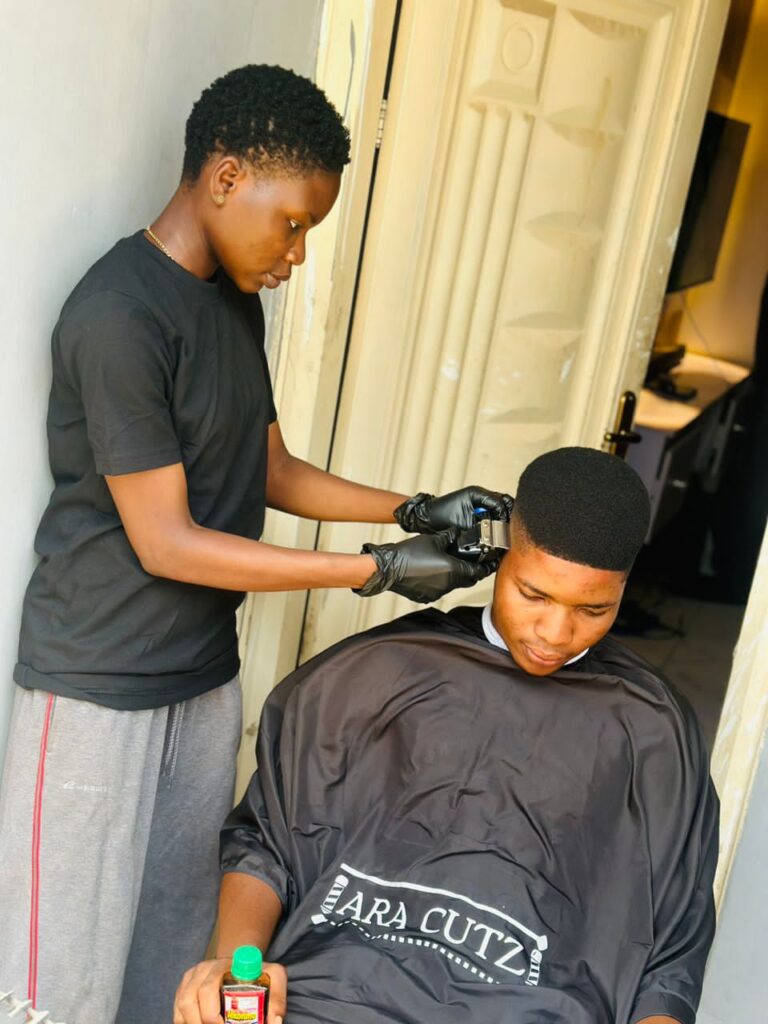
(709, 200)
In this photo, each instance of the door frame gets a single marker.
(307, 357)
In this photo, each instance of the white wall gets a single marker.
(92, 123)
(736, 982)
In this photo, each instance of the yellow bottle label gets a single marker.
(244, 1003)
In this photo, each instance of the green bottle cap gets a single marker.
(246, 963)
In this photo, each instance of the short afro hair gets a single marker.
(269, 116)
(584, 506)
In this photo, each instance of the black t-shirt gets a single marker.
(151, 366)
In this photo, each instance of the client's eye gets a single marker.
(531, 597)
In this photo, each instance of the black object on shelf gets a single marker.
(663, 360)
(659, 379)
(667, 386)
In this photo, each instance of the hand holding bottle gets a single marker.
(198, 997)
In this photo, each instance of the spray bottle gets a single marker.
(245, 988)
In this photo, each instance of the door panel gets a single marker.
(353, 56)
(534, 157)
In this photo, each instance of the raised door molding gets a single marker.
(308, 353)
(533, 171)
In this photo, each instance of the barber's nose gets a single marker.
(554, 627)
(297, 253)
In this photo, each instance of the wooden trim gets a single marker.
(353, 52)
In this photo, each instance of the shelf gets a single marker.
(711, 377)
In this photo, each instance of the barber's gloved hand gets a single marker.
(425, 513)
(421, 568)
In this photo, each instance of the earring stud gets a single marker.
(220, 200)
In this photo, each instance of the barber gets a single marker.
(165, 449)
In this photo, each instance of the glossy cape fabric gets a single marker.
(454, 840)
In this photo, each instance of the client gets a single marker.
(494, 814)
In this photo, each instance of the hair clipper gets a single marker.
(486, 541)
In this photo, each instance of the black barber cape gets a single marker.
(454, 840)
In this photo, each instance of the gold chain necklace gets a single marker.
(160, 245)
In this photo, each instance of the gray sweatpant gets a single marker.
(109, 827)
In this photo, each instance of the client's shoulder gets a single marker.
(645, 681)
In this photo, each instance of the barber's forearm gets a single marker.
(210, 558)
(304, 490)
(249, 912)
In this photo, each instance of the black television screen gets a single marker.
(709, 199)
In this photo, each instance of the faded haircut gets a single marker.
(584, 506)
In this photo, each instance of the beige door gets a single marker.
(534, 164)
(312, 320)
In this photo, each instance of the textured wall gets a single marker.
(92, 123)
(736, 984)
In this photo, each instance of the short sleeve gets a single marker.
(112, 352)
(254, 838)
(684, 839)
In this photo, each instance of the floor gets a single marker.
(695, 649)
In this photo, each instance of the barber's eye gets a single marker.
(294, 224)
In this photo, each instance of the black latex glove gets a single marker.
(425, 513)
(421, 568)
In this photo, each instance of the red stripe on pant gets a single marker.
(37, 815)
